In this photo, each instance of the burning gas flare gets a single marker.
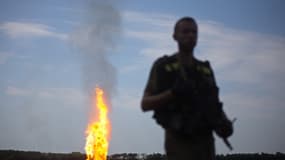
(98, 131)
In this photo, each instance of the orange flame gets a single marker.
(96, 146)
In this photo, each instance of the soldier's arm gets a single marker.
(152, 100)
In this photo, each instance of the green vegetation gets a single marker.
(28, 155)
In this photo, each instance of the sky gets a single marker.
(53, 53)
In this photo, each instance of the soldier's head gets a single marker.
(186, 32)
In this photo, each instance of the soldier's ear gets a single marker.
(174, 37)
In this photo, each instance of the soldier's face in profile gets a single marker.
(186, 34)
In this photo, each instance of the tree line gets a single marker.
(28, 155)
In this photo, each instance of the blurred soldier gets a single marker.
(182, 92)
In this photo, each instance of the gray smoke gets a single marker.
(96, 40)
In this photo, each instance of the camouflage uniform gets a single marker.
(189, 148)
(199, 146)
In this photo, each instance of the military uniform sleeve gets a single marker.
(212, 72)
(152, 80)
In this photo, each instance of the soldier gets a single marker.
(182, 92)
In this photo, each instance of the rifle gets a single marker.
(226, 141)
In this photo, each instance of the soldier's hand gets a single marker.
(182, 88)
(224, 128)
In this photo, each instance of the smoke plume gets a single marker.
(96, 40)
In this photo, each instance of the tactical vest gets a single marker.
(181, 116)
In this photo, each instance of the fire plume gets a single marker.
(98, 131)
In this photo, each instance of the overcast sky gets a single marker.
(53, 53)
